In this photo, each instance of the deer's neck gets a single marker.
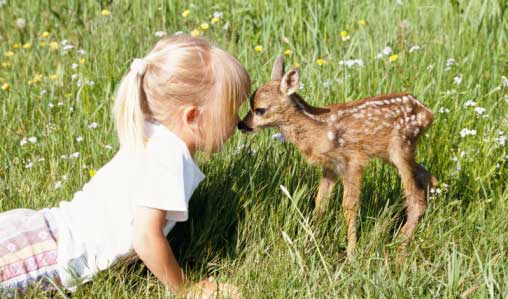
(300, 129)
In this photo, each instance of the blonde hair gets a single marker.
(181, 70)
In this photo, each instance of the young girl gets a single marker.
(182, 97)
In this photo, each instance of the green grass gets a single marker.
(243, 229)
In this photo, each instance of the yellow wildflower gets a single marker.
(296, 65)
(362, 22)
(344, 36)
(16, 46)
(82, 61)
(288, 52)
(5, 86)
(105, 12)
(186, 13)
(258, 48)
(45, 34)
(43, 44)
(54, 45)
(36, 79)
(195, 32)
(27, 46)
(5, 64)
(394, 57)
(52, 77)
(8, 53)
(215, 20)
(320, 61)
(91, 172)
(204, 26)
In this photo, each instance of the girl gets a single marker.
(182, 97)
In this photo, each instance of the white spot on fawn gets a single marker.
(330, 135)
(333, 118)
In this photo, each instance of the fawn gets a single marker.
(341, 138)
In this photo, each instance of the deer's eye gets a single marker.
(259, 111)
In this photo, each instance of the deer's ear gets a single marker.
(278, 68)
(290, 82)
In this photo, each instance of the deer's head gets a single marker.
(271, 103)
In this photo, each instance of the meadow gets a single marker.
(60, 62)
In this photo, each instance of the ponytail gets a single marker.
(127, 111)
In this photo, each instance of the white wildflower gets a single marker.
(479, 110)
(43, 92)
(91, 83)
(68, 47)
(444, 110)
(63, 157)
(279, 137)
(326, 84)
(457, 79)
(449, 63)
(74, 76)
(51, 105)
(470, 103)
(20, 23)
(467, 132)
(218, 14)
(3, 2)
(160, 33)
(387, 51)
(64, 42)
(79, 138)
(504, 81)
(74, 66)
(501, 140)
(58, 185)
(414, 48)
(108, 147)
(226, 26)
(79, 83)
(93, 125)
(29, 165)
(32, 139)
(60, 103)
(23, 141)
(178, 33)
(74, 155)
(430, 67)
(64, 177)
(81, 52)
(301, 86)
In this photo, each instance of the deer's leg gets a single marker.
(326, 185)
(416, 202)
(351, 202)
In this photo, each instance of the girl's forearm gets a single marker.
(157, 255)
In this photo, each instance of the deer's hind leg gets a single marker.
(402, 156)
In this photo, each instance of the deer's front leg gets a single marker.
(351, 202)
(328, 181)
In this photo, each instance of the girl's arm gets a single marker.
(153, 249)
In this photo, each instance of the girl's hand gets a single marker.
(210, 289)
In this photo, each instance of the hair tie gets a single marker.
(138, 65)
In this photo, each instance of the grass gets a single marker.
(243, 228)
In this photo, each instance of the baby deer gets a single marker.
(341, 138)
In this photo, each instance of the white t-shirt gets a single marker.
(96, 227)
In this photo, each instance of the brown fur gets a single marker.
(342, 138)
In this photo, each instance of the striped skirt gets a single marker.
(28, 251)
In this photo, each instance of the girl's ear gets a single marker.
(191, 116)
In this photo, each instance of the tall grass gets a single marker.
(243, 228)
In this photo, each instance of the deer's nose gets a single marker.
(243, 127)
